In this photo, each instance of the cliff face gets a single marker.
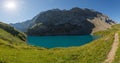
(69, 22)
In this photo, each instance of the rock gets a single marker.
(75, 21)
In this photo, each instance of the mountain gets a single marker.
(75, 21)
(22, 26)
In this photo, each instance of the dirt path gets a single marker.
(111, 55)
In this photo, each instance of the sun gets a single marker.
(10, 5)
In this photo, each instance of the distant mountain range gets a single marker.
(22, 26)
(66, 22)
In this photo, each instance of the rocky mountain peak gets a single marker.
(73, 21)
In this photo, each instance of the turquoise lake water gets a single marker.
(60, 41)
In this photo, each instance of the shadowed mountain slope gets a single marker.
(75, 21)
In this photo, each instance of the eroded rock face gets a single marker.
(68, 22)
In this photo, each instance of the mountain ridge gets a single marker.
(75, 21)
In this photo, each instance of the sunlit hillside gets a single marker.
(93, 52)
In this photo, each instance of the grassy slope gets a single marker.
(13, 50)
(12, 31)
(117, 57)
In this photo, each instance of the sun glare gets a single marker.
(10, 5)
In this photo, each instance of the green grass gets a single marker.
(13, 50)
(93, 52)
(10, 38)
(117, 57)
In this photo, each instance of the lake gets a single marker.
(60, 41)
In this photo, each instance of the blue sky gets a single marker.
(27, 9)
